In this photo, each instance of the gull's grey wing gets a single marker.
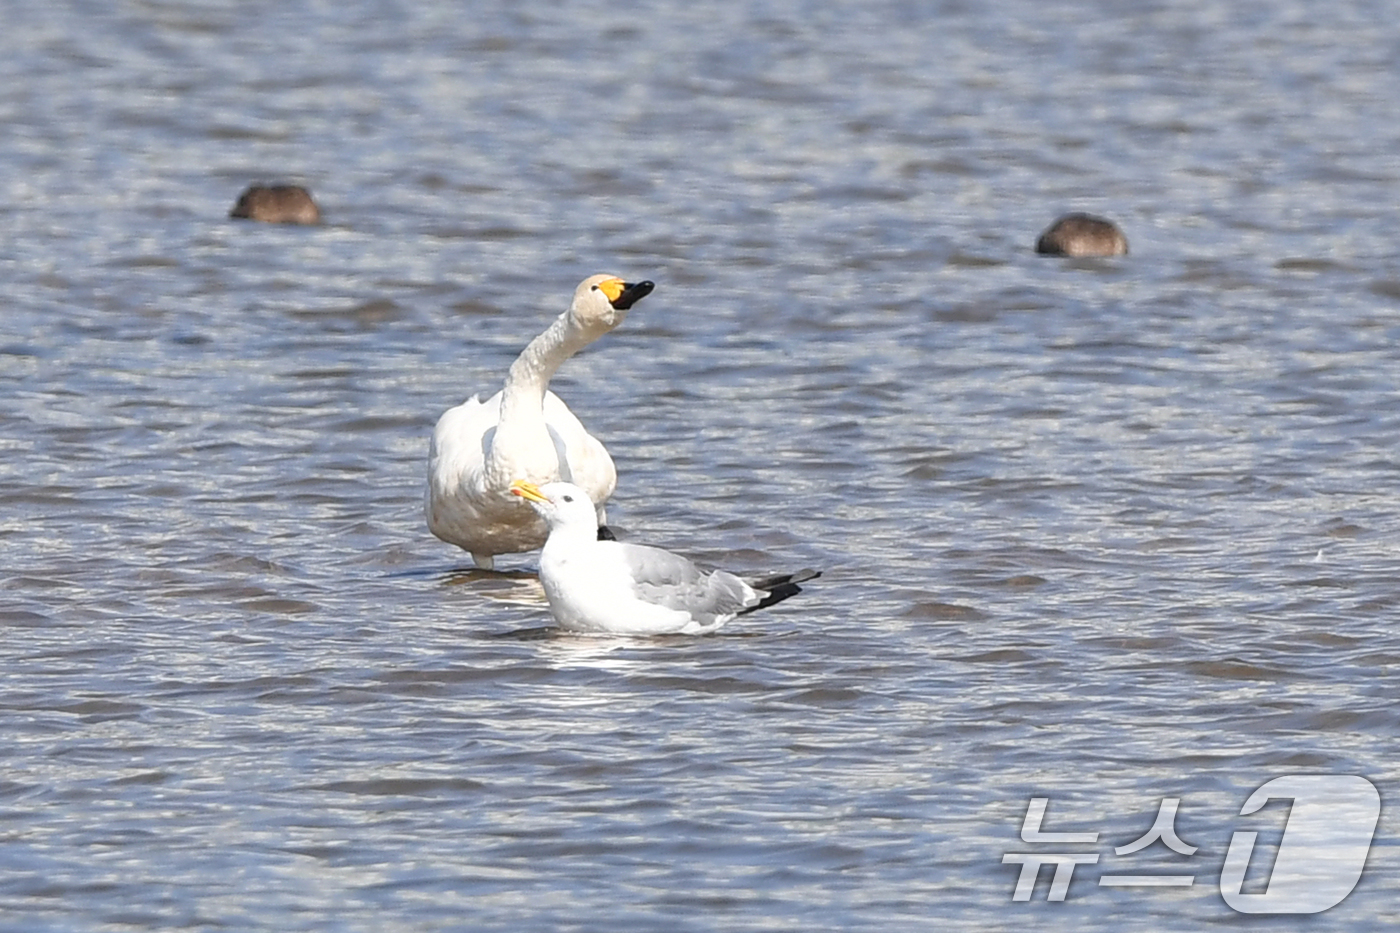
(670, 580)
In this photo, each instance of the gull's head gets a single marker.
(601, 302)
(559, 504)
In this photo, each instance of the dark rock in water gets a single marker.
(277, 204)
(1082, 235)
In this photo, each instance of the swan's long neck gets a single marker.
(521, 430)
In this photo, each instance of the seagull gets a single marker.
(609, 587)
(523, 431)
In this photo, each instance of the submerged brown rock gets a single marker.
(277, 204)
(1079, 234)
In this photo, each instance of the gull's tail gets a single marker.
(778, 586)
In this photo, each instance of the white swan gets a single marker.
(629, 589)
(523, 431)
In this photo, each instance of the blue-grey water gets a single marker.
(1098, 531)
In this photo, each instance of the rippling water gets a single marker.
(1099, 531)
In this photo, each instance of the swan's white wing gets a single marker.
(460, 507)
(463, 436)
(457, 451)
(583, 460)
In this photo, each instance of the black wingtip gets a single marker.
(780, 587)
(605, 533)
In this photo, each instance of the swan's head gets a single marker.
(601, 301)
(559, 504)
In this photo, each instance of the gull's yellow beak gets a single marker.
(527, 490)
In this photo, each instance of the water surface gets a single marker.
(1102, 531)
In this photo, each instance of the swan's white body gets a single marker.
(523, 431)
(608, 587)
